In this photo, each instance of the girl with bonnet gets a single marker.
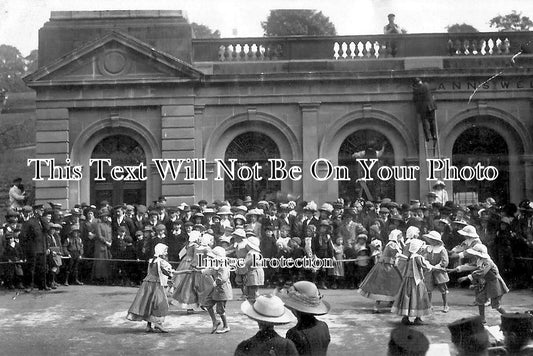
(383, 281)
(412, 300)
(151, 303)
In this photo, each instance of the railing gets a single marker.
(359, 47)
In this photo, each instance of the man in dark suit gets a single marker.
(33, 233)
(425, 107)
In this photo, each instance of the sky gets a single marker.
(21, 19)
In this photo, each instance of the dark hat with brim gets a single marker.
(469, 333)
(407, 341)
(520, 323)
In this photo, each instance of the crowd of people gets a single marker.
(45, 246)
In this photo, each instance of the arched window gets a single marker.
(486, 146)
(250, 148)
(123, 151)
(368, 144)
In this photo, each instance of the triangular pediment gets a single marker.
(116, 57)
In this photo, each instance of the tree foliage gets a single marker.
(511, 22)
(297, 22)
(13, 67)
(461, 28)
(202, 31)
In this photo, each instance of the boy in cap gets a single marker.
(222, 291)
(73, 248)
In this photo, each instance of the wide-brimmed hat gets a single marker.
(433, 235)
(225, 238)
(439, 183)
(160, 227)
(478, 250)
(224, 210)
(240, 233)
(219, 251)
(254, 243)
(468, 231)
(304, 297)
(407, 341)
(239, 216)
(469, 333)
(268, 309)
(253, 212)
(520, 323)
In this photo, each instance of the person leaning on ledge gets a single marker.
(392, 27)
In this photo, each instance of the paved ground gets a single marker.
(90, 320)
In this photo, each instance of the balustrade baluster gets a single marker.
(222, 53)
(353, 50)
(336, 50)
(466, 46)
(361, 49)
(376, 49)
(261, 52)
(368, 49)
(474, 48)
(253, 52)
(498, 46)
(490, 44)
(245, 52)
(483, 47)
(344, 47)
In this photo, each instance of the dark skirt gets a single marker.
(381, 283)
(150, 303)
(412, 299)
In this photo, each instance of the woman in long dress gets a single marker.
(102, 248)
(383, 281)
(151, 303)
(413, 299)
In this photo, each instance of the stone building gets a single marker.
(134, 86)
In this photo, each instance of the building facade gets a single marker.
(134, 86)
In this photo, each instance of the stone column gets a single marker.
(528, 177)
(178, 141)
(52, 142)
(310, 142)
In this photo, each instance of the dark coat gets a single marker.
(33, 236)
(310, 336)
(267, 343)
(423, 99)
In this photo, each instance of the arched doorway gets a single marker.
(124, 151)
(368, 144)
(250, 148)
(486, 146)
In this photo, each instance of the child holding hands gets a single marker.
(487, 282)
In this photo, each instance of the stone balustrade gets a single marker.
(359, 47)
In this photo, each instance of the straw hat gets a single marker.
(224, 210)
(433, 235)
(253, 242)
(268, 309)
(478, 250)
(468, 231)
(240, 233)
(219, 251)
(439, 183)
(304, 297)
